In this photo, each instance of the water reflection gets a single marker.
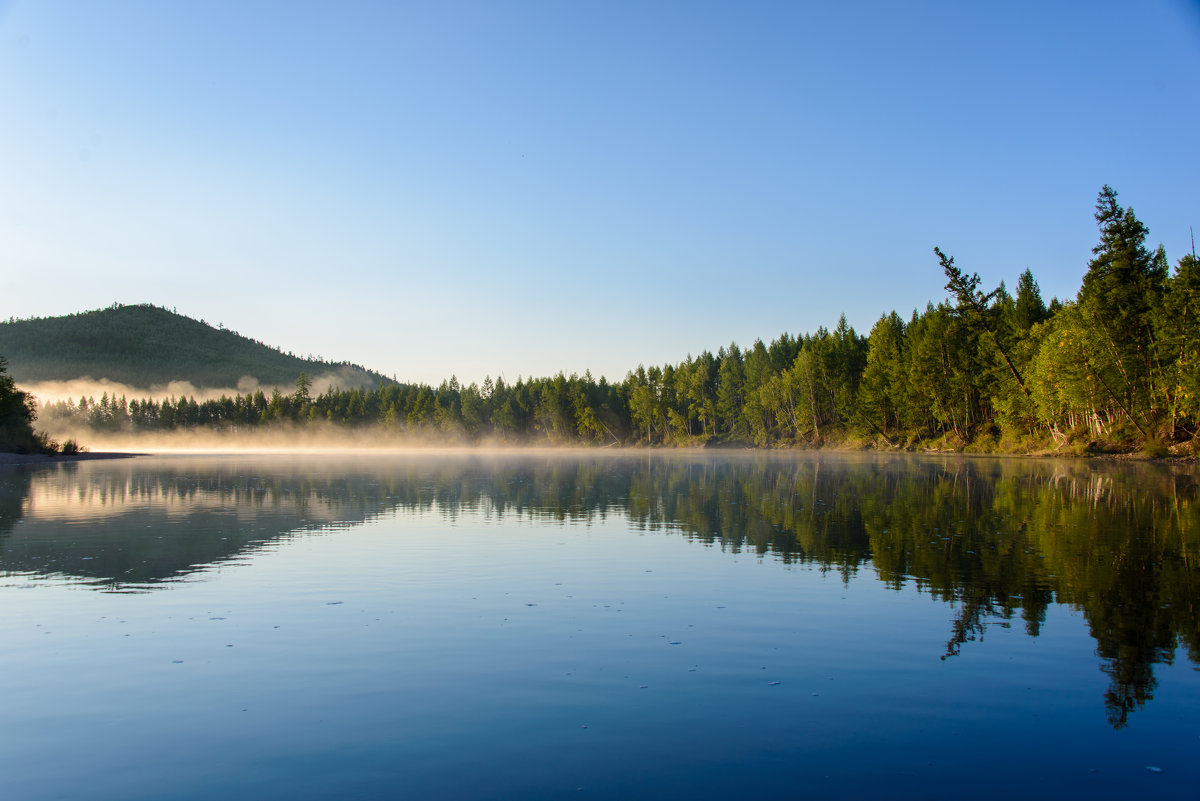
(998, 540)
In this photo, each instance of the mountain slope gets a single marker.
(147, 346)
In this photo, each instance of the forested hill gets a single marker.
(146, 345)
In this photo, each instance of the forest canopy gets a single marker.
(1118, 367)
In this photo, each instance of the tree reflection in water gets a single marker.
(994, 539)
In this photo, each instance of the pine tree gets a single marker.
(1029, 308)
(731, 379)
(1122, 288)
(1179, 345)
(881, 389)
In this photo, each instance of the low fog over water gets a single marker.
(88, 387)
(310, 437)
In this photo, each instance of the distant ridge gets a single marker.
(144, 346)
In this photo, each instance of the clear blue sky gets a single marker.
(520, 188)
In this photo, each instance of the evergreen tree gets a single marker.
(757, 370)
(1123, 286)
(1029, 309)
(731, 378)
(16, 418)
(1179, 345)
(881, 389)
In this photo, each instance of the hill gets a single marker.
(147, 346)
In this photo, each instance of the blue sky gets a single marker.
(520, 188)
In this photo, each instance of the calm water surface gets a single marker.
(607, 626)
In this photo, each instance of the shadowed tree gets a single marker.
(16, 418)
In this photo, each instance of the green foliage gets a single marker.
(1028, 309)
(882, 388)
(1123, 286)
(1179, 348)
(984, 371)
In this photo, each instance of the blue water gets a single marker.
(537, 627)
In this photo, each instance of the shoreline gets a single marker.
(16, 459)
(19, 459)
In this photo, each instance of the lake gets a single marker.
(601, 625)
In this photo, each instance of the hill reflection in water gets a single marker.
(998, 540)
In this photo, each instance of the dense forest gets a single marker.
(146, 345)
(1117, 368)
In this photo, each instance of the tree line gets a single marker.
(1117, 367)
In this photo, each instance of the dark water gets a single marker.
(648, 626)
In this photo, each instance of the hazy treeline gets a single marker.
(1119, 366)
